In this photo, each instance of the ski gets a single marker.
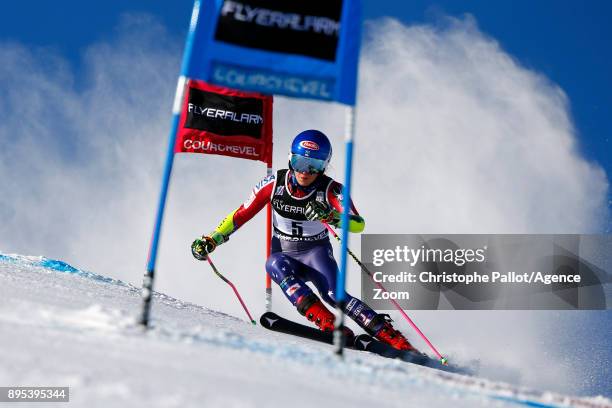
(274, 322)
(365, 342)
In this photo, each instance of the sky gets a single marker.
(484, 124)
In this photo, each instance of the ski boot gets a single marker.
(315, 311)
(381, 328)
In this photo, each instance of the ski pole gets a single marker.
(232, 286)
(443, 360)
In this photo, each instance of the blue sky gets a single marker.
(567, 41)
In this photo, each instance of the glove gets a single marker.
(317, 211)
(201, 247)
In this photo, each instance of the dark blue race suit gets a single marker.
(301, 250)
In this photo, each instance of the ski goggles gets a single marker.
(303, 164)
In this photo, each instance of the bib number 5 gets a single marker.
(296, 229)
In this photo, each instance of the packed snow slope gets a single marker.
(61, 326)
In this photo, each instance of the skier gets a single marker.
(303, 198)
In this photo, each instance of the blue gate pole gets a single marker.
(346, 204)
(149, 276)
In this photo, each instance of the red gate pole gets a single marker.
(268, 244)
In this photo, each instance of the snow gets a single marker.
(61, 326)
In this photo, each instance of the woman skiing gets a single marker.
(303, 198)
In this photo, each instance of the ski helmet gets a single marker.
(311, 152)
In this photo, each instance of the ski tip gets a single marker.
(444, 361)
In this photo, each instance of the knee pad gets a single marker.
(279, 267)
